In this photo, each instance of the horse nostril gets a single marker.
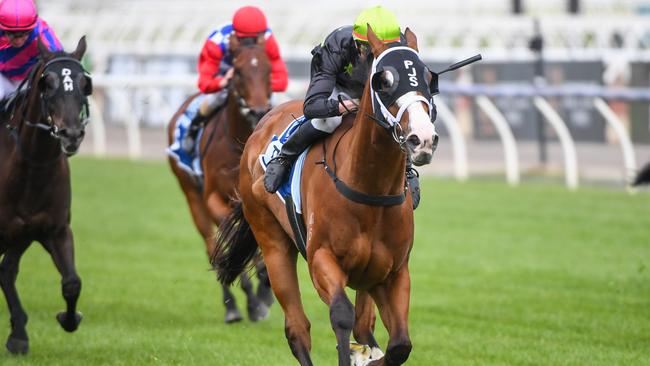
(435, 142)
(413, 140)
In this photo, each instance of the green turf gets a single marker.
(534, 275)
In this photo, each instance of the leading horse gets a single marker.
(46, 128)
(362, 242)
(221, 145)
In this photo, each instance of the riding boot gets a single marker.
(279, 167)
(189, 140)
(208, 107)
(412, 179)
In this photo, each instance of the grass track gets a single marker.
(534, 275)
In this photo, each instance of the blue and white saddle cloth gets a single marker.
(290, 187)
(191, 163)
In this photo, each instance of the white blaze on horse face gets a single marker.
(67, 80)
(421, 127)
(254, 62)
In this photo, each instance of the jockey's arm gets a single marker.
(209, 61)
(48, 37)
(279, 74)
(323, 80)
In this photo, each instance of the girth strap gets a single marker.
(360, 197)
(354, 195)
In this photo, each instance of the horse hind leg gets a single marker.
(232, 312)
(393, 303)
(61, 249)
(264, 291)
(18, 341)
(364, 323)
(257, 310)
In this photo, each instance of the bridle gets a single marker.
(389, 122)
(49, 126)
(381, 100)
(244, 109)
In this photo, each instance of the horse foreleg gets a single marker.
(364, 321)
(330, 282)
(257, 310)
(18, 342)
(393, 301)
(264, 292)
(61, 249)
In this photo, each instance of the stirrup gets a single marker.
(276, 172)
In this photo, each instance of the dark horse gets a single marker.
(46, 128)
(221, 145)
(364, 244)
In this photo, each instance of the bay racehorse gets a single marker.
(221, 145)
(47, 127)
(358, 212)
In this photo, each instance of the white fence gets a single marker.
(481, 95)
(446, 31)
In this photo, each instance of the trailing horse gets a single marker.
(358, 214)
(221, 144)
(35, 195)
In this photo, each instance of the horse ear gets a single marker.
(376, 45)
(261, 40)
(81, 49)
(411, 39)
(234, 43)
(42, 48)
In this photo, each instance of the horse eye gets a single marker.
(387, 80)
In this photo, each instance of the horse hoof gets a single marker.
(259, 312)
(233, 316)
(69, 324)
(265, 295)
(17, 346)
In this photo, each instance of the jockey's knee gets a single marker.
(212, 101)
(326, 124)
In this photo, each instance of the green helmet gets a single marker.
(383, 23)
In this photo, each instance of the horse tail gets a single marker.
(643, 177)
(235, 248)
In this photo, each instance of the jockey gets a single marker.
(215, 64)
(21, 28)
(339, 66)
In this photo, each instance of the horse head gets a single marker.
(401, 96)
(251, 82)
(63, 87)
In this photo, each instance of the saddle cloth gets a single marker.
(291, 187)
(191, 163)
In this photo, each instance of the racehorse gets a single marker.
(46, 128)
(358, 213)
(221, 145)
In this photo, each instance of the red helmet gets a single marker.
(17, 15)
(248, 21)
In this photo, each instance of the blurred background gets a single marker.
(562, 91)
